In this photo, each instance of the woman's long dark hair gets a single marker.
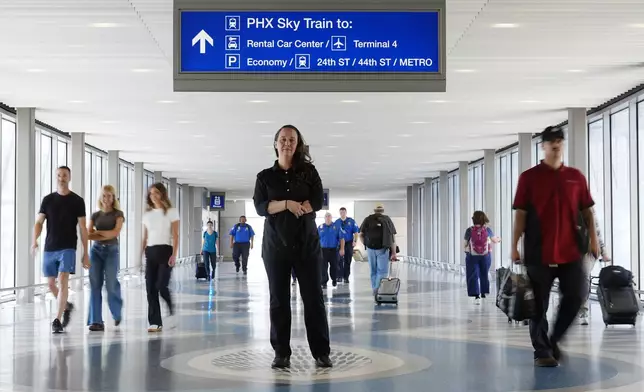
(165, 200)
(301, 154)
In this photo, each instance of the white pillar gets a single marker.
(427, 218)
(410, 222)
(25, 205)
(113, 172)
(415, 205)
(525, 152)
(77, 166)
(578, 139)
(443, 227)
(186, 210)
(137, 219)
(464, 206)
(490, 189)
(158, 176)
(634, 190)
(173, 192)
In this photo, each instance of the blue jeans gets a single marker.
(105, 265)
(476, 270)
(379, 263)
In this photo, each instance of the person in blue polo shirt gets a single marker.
(350, 231)
(241, 241)
(330, 237)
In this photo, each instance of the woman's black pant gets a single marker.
(307, 271)
(210, 259)
(157, 278)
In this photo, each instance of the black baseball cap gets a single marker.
(551, 134)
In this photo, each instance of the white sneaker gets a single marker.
(477, 301)
(155, 328)
(170, 322)
(583, 319)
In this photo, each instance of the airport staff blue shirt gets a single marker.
(242, 233)
(330, 235)
(349, 227)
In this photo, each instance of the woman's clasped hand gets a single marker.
(299, 209)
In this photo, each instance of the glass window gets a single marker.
(451, 256)
(506, 207)
(640, 154)
(421, 220)
(470, 190)
(596, 168)
(88, 180)
(458, 233)
(124, 202)
(620, 171)
(498, 213)
(62, 153)
(44, 172)
(478, 187)
(435, 221)
(8, 204)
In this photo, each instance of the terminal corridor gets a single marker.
(435, 340)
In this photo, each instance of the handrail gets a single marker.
(122, 273)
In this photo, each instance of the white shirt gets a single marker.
(159, 225)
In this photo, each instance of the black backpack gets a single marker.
(375, 232)
(615, 276)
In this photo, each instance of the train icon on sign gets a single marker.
(233, 23)
(302, 61)
(232, 42)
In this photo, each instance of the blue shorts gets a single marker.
(58, 261)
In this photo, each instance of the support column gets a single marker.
(578, 139)
(634, 191)
(184, 234)
(410, 222)
(525, 152)
(25, 205)
(158, 176)
(137, 219)
(427, 219)
(77, 184)
(464, 206)
(490, 189)
(113, 172)
(415, 205)
(173, 192)
(443, 227)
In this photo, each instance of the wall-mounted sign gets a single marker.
(226, 44)
(217, 201)
(325, 203)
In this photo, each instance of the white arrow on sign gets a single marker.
(202, 37)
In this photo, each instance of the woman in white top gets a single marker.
(160, 245)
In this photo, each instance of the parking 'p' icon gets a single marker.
(233, 61)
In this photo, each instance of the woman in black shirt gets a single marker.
(288, 195)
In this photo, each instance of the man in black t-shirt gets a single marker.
(63, 210)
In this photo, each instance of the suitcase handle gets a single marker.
(391, 267)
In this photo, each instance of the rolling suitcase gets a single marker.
(616, 296)
(200, 272)
(501, 276)
(388, 290)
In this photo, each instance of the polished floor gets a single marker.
(435, 340)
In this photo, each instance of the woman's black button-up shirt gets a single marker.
(286, 235)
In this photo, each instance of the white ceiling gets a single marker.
(115, 84)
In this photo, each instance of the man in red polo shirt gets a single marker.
(549, 200)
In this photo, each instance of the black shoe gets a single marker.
(237, 269)
(245, 273)
(545, 362)
(96, 327)
(117, 323)
(335, 283)
(482, 295)
(281, 362)
(346, 280)
(67, 314)
(556, 352)
(324, 362)
(57, 326)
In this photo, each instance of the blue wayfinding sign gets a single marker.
(310, 41)
(218, 201)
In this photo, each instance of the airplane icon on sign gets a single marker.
(339, 43)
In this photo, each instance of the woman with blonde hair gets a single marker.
(104, 229)
(160, 245)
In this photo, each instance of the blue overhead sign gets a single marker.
(325, 201)
(310, 42)
(217, 201)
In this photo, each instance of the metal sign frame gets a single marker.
(309, 82)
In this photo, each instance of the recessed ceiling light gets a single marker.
(497, 122)
(637, 25)
(35, 70)
(331, 146)
(329, 156)
(405, 135)
(185, 122)
(530, 101)
(342, 122)
(437, 101)
(465, 70)
(505, 25)
(110, 122)
(104, 25)
(141, 70)
(199, 136)
(263, 122)
(337, 135)
(394, 146)
(349, 101)
(76, 101)
(166, 101)
(375, 163)
(420, 122)
(257, 101)
(575, 70)
(76, 46)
